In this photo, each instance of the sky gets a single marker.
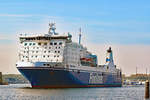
(124, 25)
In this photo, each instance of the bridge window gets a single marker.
(30, 44)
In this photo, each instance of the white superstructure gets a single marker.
(54, 50)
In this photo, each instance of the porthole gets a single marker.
(39, 43)
(60, 43)
(25, 44)
(47, 64)
(51, 43)
(55, 43)
(45, 43)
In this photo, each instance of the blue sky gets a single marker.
(103, 21)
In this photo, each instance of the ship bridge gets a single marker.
(43, 47)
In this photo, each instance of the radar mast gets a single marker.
(52, 29)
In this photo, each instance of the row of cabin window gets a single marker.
(51, 43)
(43, 56)
(44, 51)
(51, 60)
(45, 48)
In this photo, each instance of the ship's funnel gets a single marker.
(109, 57)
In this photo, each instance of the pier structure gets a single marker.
(1, 79)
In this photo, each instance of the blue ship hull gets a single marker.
(46, 77)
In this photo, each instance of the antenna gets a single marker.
(52, 29)
(136, 70)
(146, 71)
(80, 35)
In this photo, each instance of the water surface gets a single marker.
(25, 92)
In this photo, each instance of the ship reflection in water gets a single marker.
(24, 92)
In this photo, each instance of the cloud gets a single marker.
(7, 37)
(29, 15)
(14, 15)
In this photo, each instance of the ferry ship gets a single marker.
(52, 60)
